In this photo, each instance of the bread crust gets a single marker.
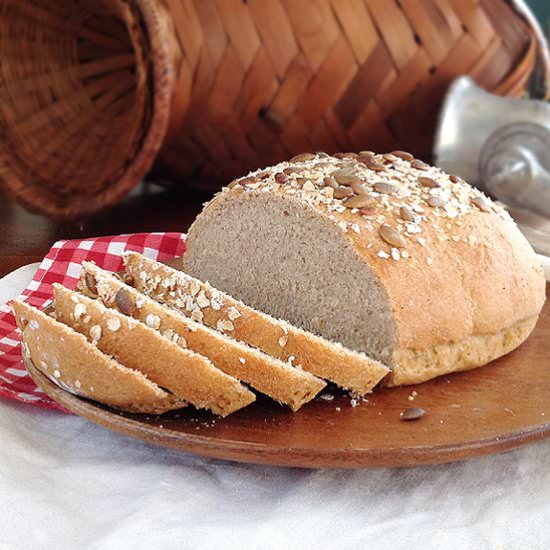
(456, 275)
(331, 361)
(270, 376)
(184, 373)
(76, 365)
(413, 367)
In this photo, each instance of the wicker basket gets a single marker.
(93, 92)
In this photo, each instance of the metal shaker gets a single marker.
(501, 145)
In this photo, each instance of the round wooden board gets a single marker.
(499, 407)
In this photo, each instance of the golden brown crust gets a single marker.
(77, 366)
(413, 367)
(348, 369)
(186, 374)
(272, 377)
(454, 264)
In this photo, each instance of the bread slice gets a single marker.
(76, 365)
(186, 374)
(278, 380)
(203, 303)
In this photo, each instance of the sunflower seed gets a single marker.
(358, 188)
(402, 155)
(407, 214)
(330, 182)
(304, 157)
(342, 192)
(385, 188)
(376, 166)
(90, 283)
(358, 201)
(281, 177)
(412, 413)
(124, 302)
(291, 170)
(247, 181)
(369, 210)
(343, 177)
(428, 182)
(345, 155)
(391, 236)
(481, 203)
(365, 157)
(419, 165)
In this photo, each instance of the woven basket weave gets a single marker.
(93, 92)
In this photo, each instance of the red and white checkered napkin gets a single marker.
(62, 265)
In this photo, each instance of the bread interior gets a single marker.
(295, 264)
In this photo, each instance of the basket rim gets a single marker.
(161, 77)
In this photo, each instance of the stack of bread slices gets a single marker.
(156, 339)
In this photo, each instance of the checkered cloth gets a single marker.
(62, 265)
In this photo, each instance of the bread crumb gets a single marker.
(327, 397)
(113, 324)
(223, 325)
(194, 288)
(283, 340)
(202, 300)
(382, 254)
(56, 373)
(152, 321)
(79, 310)
(233, 313)
(197, 316)
(95, 333)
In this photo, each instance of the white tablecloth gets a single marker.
(68, 484)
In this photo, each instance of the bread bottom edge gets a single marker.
(416, 366)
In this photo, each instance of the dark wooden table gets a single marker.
(26, 237)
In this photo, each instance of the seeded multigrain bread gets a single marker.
(73, 363)
(184, 373)
(278, 380)
(204, 304)
(382, 253)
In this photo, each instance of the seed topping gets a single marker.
(385, 188)
(481, 203)
(412, 413)
(424, 181)
(391, 236)
(124, 302)
(304, 157)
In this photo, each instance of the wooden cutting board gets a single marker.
(499, 407)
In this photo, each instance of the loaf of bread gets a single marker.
(382, 253)
(280, 381)
(78, 366)
(200, 301)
